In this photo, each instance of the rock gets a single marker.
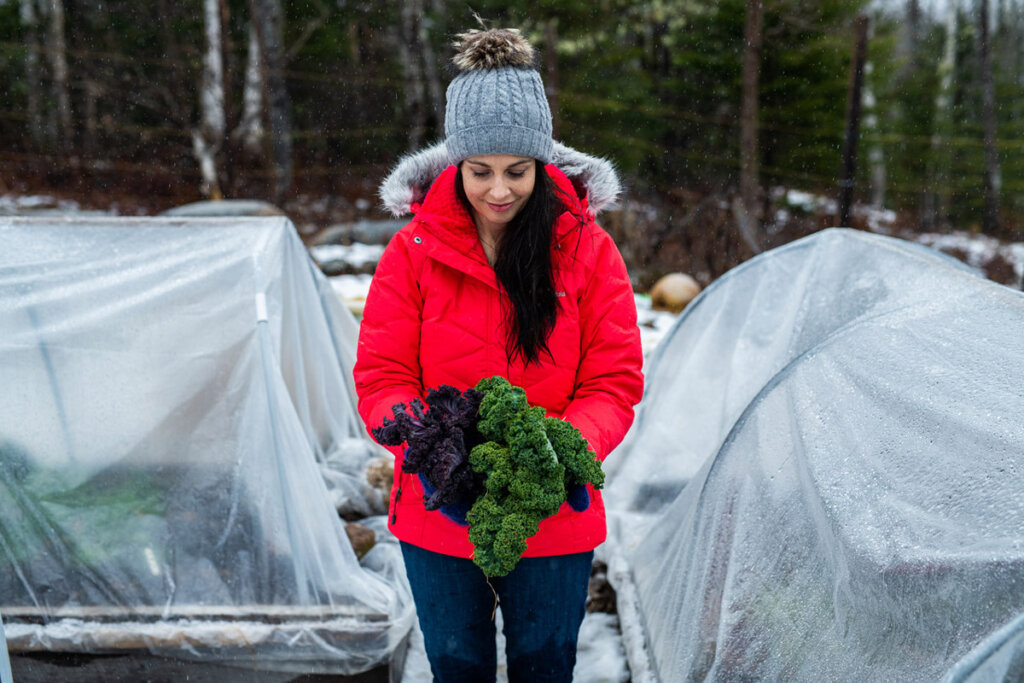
(381, 474)
(600, 594)
(673, 292)
(361, 538)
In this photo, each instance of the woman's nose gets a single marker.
(499, 190)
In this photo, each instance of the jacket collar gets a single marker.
(593, 180)
(449, 235)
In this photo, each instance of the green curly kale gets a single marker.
(529, 461)
(581, 467)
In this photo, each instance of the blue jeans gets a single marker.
(542, 605)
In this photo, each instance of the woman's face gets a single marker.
(497, 186)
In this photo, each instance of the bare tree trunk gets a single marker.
(92, 94)
(435, 90)
(1017, 108)
(268, 18)
(1016, 64)
(250, 127)
(1018, 32)
(876, 155)
(748, 211)
(551, 73)
(311, 27)
(412, 11)
(56, 50)
(30, 21)
(179, 106)
(876, 161)
(167, 31)
(354, 53)
(226, 62)
(1005, 46)
(993, 178)
(941, 157)
(208, 138)
(849, 174)
(905, 55)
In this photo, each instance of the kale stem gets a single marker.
(494, 610)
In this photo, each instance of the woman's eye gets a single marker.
(479, 174)
(520, 174)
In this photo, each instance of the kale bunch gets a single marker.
(438, 438)
(530, 461)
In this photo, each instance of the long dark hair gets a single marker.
(523, 268)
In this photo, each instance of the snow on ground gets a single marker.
(601, 657)
(653, 324)
(351, 288)
(810, 203)
(879, 220)
(978, 250)
(355, 254)
(43, 205)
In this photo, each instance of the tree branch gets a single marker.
(312, 27)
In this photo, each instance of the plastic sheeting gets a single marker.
(825, 478)
(177, 429)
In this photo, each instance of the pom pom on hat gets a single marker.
(496, 103)
(492, 49)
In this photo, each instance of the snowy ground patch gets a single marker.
(978, 251)
(352, 289)
(338, 258)
(600, 655)
(653, 324)
(807, 202)
(40, 205)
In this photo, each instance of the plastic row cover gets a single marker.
(824, 480)
(175, 391)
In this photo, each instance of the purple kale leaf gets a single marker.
(394, 432)
(438, 439)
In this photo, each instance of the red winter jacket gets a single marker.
(434, 315)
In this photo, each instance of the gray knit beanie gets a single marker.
(496, 104)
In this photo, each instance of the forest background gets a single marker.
(713, 111)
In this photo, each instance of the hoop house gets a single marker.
(825, 478)
(177, 433)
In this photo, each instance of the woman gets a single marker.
(502, 271)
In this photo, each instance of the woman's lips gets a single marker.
(500, 208)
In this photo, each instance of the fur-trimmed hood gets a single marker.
(408, 182)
